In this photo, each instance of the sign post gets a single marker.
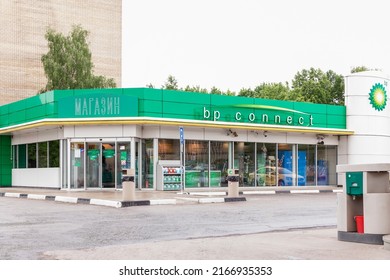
(181, 130)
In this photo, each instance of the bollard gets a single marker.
(128, 185)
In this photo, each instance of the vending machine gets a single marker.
(169, 175)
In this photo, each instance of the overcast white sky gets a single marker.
(233, 44)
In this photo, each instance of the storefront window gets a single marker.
(196, 164)
(93, 161)
(42, 155)
(168, 149)
(32, 155)
(307, 165)
(22, 155)
(286, 167)
(77, 154)
(219, 163)
(244, 160)
(123, 160)
(15, 156)
(54, 153)
(266, 166)
(147, 163)
(326, 165)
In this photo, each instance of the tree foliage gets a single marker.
(316, 86)
(171, 83)
(68, 63)
(308, 85)
(361, 68)
(277, 91)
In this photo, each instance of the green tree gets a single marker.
(277, 91)
(171, 83)
(195, 89)
(315, 86)
(68, 63)
(357, 69)
(363, 68)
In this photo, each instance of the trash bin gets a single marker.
(128, 185)
(359, 224)
(233, 181)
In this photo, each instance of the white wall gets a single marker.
(36, 177)
(37, 135)
(370, 142)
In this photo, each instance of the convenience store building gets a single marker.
(83, 139)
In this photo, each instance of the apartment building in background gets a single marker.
(22, 40)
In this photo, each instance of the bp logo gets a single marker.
(378, 97)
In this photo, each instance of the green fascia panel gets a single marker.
(51, 109)
(276, 103)
(35, 113)
(221, 100)
(49, 96)
(82, 92)
(319, 119)
(98, 106)
(60, 94)
(16, 106)
(336, 110)
(4, 110)
(150, 114)
(334, 120)
(17, 117)
(4, 121)
(35, 100)
(186, 97)
(183, 117)
(138, 92)
(150, 106)
(182, 109)
(310, 108)
(151, 94)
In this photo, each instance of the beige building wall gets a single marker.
(23, 25)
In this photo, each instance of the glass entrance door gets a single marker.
(93, 174)
(108, 165)
(100, 172)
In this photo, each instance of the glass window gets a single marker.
(32, 155)
(266, 166)
(42, 154)
(123, 160)
(77, 154)
(307, 165)
(22, 155)
(286, 166)
(54, 153)
(168, 149)
(15, 156)
(219, 160)
(147, 168)
(196, 163)
(326, 165)
(244, 160)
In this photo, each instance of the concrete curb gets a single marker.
(260, 192)
(122, 204)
